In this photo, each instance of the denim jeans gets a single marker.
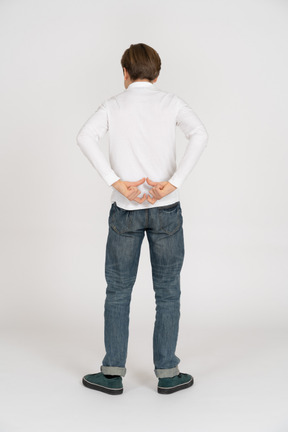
(164, 230)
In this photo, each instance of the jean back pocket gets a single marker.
(120, 220)
(170, 218)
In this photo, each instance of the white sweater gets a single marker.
(141, 121)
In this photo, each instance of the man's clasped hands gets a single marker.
(131, 191)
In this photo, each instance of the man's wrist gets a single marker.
(172, 185)
(115, 183)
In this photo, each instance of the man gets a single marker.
(141, 122)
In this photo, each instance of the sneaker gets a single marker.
(99, 381)
(173, 384)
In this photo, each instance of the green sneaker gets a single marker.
(98, 381)
(176, 383)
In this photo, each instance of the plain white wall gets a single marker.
(59, 61)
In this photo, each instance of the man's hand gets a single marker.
(130, 190)
(159, 190)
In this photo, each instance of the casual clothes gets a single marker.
(163, 227)
(141, 122)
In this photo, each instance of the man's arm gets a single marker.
(88, 140)
(197, 136)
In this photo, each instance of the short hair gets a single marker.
(141, 61)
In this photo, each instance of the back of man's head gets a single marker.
(141, 62)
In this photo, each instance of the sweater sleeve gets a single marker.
(88, 139)
(197, 137)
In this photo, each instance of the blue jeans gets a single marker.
(164, 229)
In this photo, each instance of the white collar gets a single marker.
(139, 84)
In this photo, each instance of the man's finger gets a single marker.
(140, 200)
(150, 182)
(151, 200)
(136, 183)
(130, 195)
(151, 192)
(155, 193)
(134, 193)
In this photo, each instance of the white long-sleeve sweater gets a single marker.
(141, 122)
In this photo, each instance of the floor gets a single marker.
(241, 383)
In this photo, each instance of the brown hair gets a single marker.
(141, 61)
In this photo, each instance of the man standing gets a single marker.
(141, 122)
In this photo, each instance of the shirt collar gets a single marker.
(140, 84)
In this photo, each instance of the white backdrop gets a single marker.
(59, 61)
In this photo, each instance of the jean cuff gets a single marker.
(166, 373)
(113, 370)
